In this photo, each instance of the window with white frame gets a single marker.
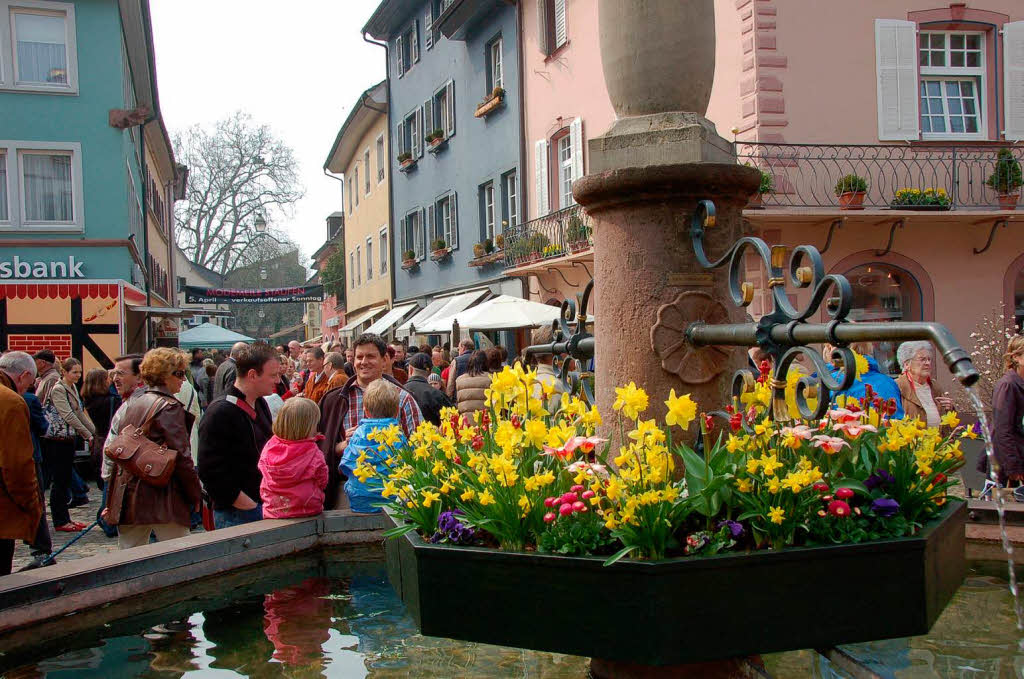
(952, 67)
(359, 264)
(407, 48)
(41, 186)
(442, 109)
(349, 182)
(551, 23)
(487, 211)
(355, 180)
(369, 258)
(565, 177)
(412, 234)
(383, 250)
(446, 226)
(41, 54)
(366, 171)
(511, 184)
(495, 75)
(380, 159)
(352, 268)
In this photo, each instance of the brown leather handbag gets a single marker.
(132, 450)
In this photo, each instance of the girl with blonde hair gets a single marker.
(293, 467)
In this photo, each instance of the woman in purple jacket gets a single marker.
(1008, 417)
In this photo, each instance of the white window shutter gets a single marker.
(455, 220)
(403, 243)
(543, 39)
(428, 116)
(541, 173)
(450, 91)
(576, 142)
(418, 121)
(560, 34)
(1013, 80)
(418, 235)
(414, 42)
(896, 70)
(398, 56)
(428, 26)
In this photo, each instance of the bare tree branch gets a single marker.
(237, 170)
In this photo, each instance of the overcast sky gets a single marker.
(297, 67)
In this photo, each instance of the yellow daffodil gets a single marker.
(486, 498)
(430, 498)
(631, 400)
(777, 515)
(681, 410)
(467, 495)
(950, 420)
(744, 485)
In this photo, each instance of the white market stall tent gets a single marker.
(506, 313)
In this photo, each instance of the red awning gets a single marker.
(59, 291)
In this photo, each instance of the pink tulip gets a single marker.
(579, 506)
(587, 494)
(549, 517)
(565, 510)
(830, 444)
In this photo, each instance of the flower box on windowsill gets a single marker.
(922, 208)
(489, 106)
(437, 145)
(407, 165)
(440, 255)
(708, 607)
(489, 258)
(579, 246)
(410, 264)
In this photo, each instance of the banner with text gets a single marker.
(302, 293)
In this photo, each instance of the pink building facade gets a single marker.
(905, 95)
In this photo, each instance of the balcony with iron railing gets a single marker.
(559, 234)
(811, 175)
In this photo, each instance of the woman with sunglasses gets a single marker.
(136, 507)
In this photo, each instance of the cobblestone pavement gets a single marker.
(95, 541)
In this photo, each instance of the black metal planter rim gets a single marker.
(798, 553)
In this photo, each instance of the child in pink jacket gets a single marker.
(293, 467)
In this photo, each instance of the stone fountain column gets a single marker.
(647, 173)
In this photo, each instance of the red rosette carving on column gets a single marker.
(693, 365)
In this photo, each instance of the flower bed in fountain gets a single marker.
(777, 540)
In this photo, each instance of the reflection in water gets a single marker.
(335, 621)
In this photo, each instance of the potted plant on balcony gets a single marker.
(499, 240)
(577, 234)
(921, 199)
(436, 140)
(767, 186)
(439, 250)
(405, 161)
(535, 246)
(851, 190)
(491, 103)
(479, 250)
(409, 259)
(1006, 179)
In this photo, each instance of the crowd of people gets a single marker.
(261, 432)
(267, 432)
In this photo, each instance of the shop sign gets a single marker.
(22, 268)
(301, 293)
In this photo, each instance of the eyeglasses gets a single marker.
(180, 374)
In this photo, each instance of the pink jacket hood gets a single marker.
(294, 478)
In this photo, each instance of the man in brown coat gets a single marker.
(19, 490)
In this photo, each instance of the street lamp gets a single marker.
(260, 223)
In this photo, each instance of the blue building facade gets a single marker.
(456, 142)
(87, 179)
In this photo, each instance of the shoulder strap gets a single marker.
(151, 412)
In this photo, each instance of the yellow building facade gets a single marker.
(360, 153)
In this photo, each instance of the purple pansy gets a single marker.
(885, 507)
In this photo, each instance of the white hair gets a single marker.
(908, 350)
(14, 363)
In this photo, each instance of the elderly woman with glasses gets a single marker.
(921, 398)
(135, 506)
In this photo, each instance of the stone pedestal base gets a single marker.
(648, 285)
(734, 668)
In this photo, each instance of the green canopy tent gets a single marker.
(210, 336)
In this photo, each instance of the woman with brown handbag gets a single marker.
(138, 505)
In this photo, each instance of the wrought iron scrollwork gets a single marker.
(806, 269)
(572, 339)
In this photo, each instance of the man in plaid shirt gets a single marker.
(341, 409)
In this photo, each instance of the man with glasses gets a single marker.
(128, 383)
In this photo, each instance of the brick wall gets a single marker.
(60, 345)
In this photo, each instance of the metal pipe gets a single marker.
(796, 334)
(581, 349)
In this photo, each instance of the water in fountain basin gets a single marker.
(993, 472)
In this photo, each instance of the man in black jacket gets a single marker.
(232, 435)
(227, 371)
(429, 399)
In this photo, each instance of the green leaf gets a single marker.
(748, 515)
(399, 531)
(619, 554)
